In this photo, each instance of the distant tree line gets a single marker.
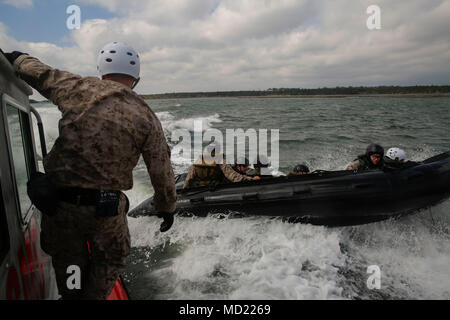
(391, 90)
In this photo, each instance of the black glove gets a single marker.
(12, 56)
(167, 223)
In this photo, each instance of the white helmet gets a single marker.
(117, 57)
(396, 154)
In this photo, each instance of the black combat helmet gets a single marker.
(301, 168)
(374, 149)
(242, 161)
(262, 162)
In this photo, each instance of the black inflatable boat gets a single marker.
(333, 198)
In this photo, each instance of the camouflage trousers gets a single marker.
(97, 245)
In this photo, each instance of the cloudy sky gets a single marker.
(215, 45)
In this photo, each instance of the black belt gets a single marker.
(79, 196)
(86, 197)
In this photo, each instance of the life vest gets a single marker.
(366, 164)
(206, 174)
(390, 164)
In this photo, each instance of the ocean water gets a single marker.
(267, 258)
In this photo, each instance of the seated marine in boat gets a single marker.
(299, 170)
(372, 159)
(395, 159)
(205, 171)
(261, 163)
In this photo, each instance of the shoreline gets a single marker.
(389, 95)
(312, 96)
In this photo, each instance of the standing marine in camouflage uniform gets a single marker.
(104, 129)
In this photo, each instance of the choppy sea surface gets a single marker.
(267, 258)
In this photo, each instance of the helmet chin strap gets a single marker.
(135, 83)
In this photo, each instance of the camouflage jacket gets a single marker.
(253, 172)
(229, 173)
(363, 163)
(104, 129)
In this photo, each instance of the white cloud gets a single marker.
(208, 45)
(19, 3)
